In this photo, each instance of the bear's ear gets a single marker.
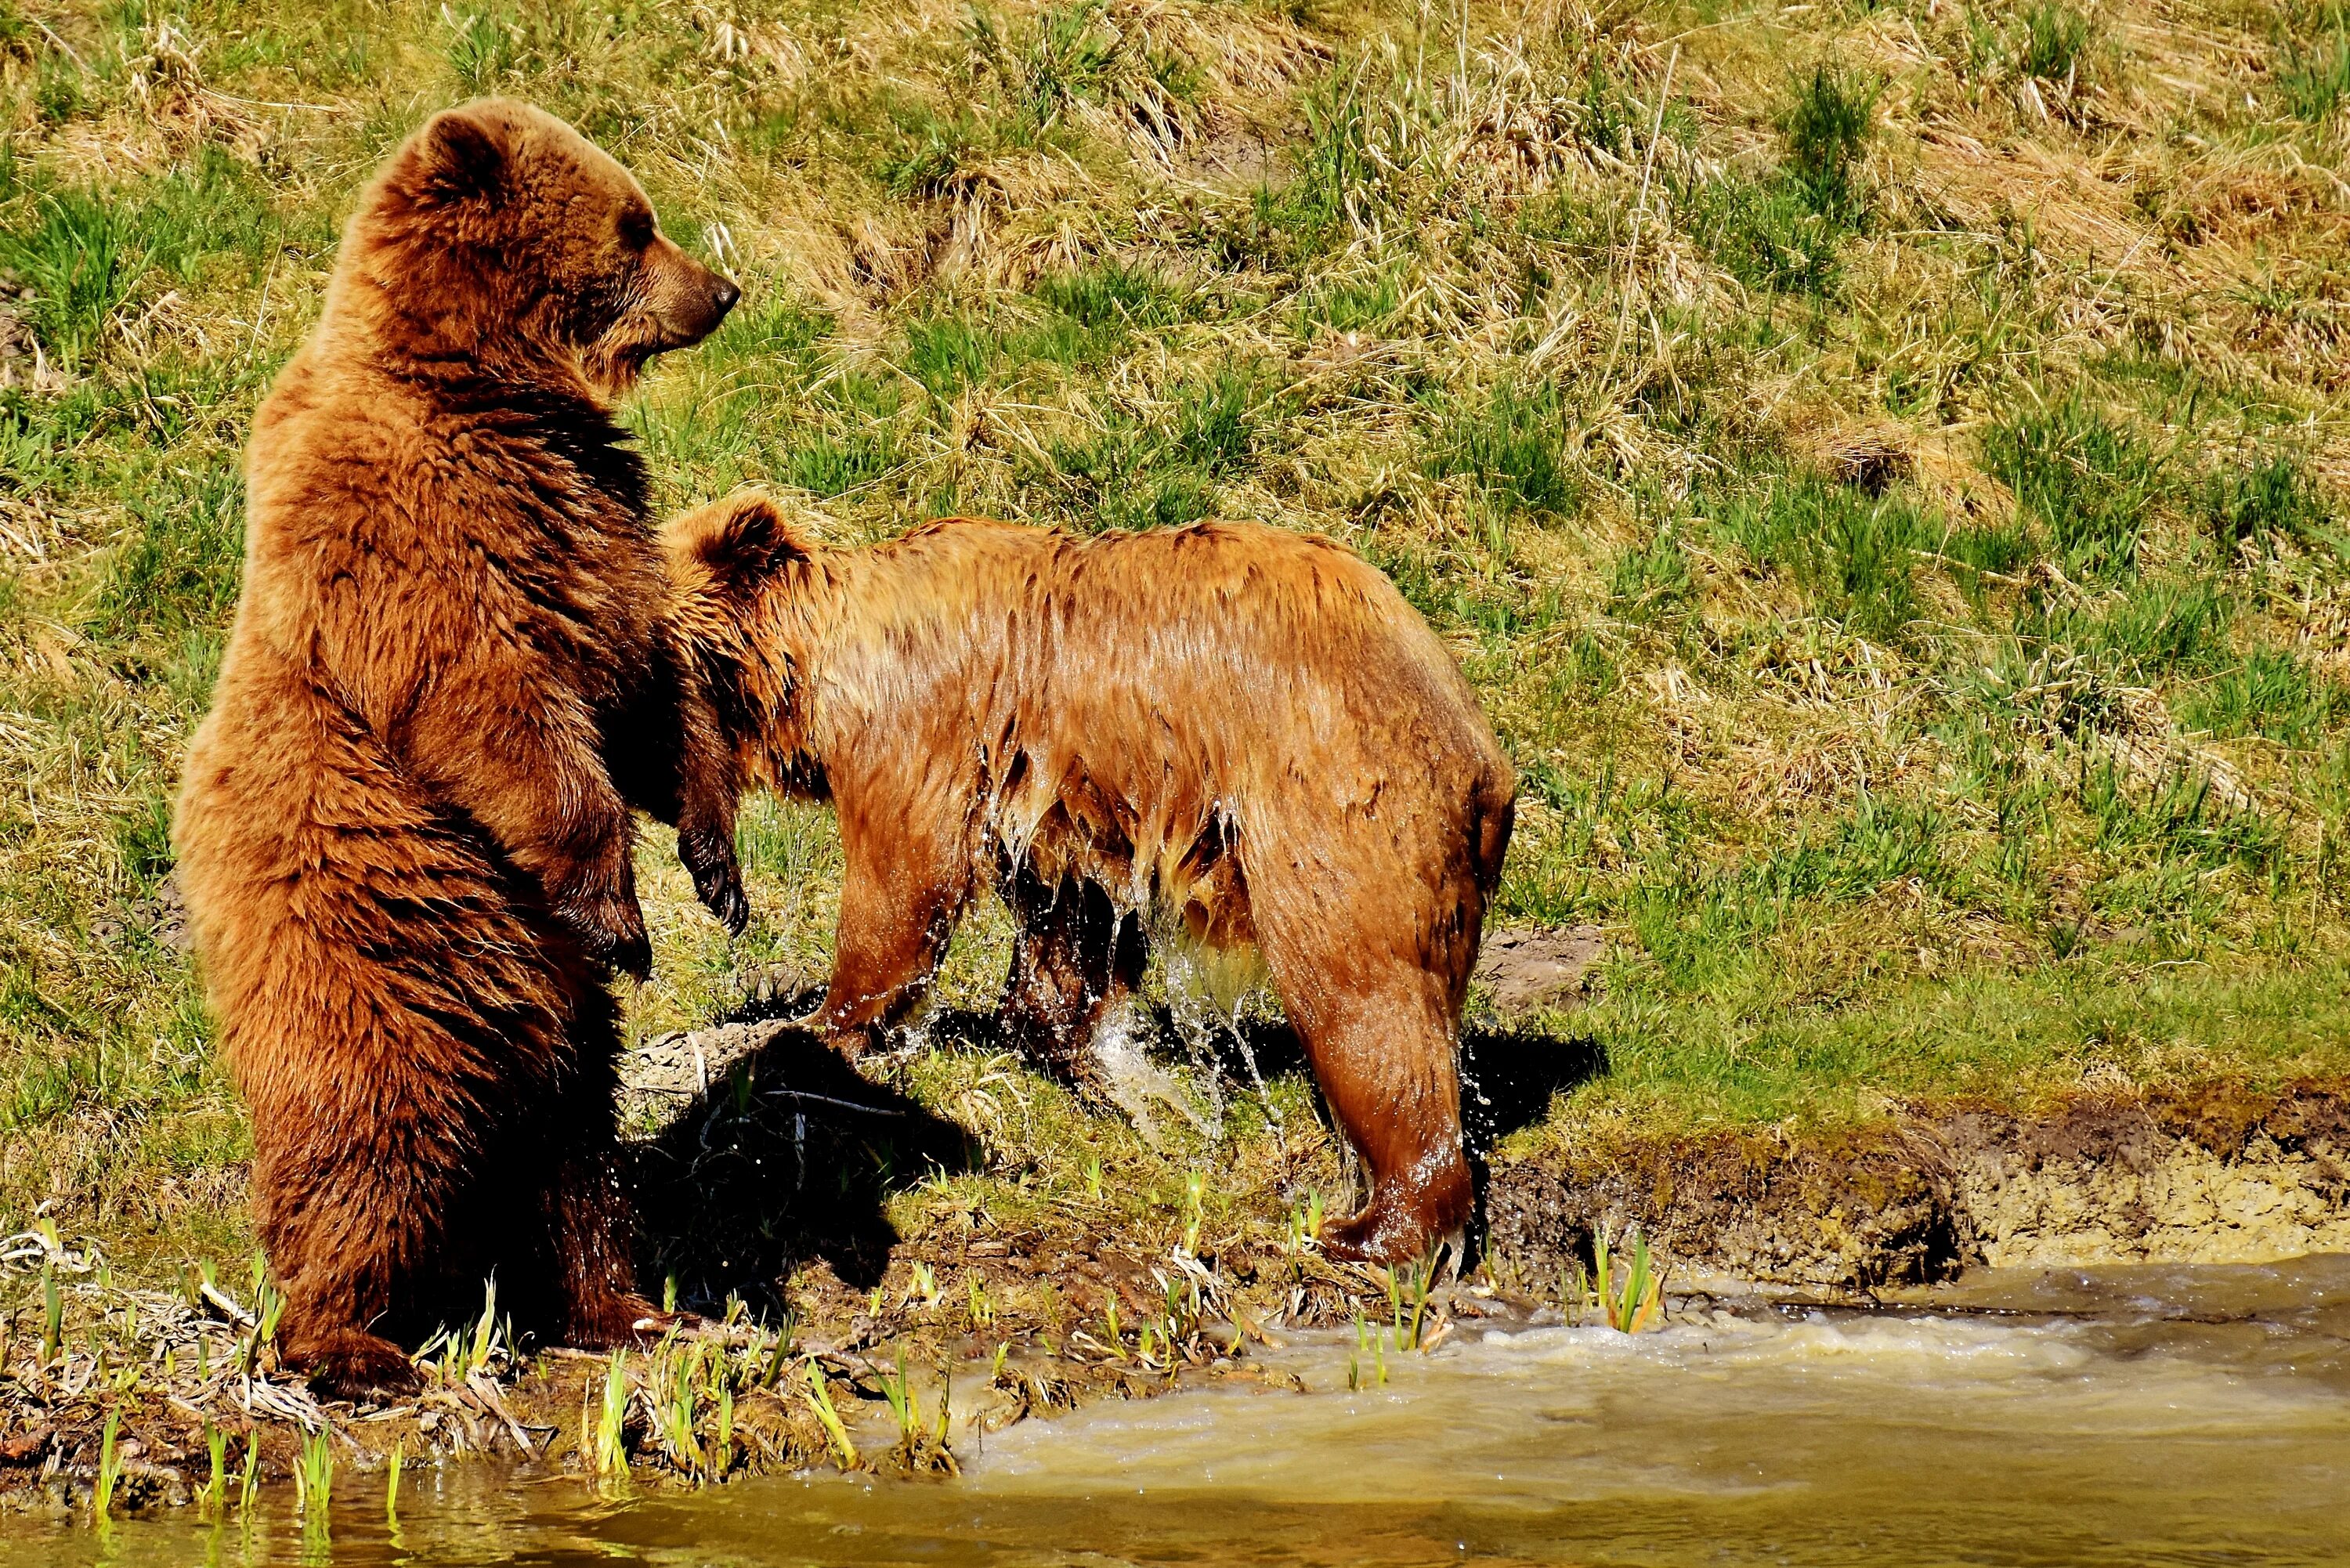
(464, 155)
(740, 541)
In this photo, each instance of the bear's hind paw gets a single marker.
(351, 1363)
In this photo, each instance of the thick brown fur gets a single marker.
(404, 834)
(1238, 735)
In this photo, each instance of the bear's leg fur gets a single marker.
(904, 886)
(596, 1303)
(358, 1182)
(1075, 957)
(1375, 1012)
(1386, 1066)
(428, 1111)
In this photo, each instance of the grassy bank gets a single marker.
(1882, 466)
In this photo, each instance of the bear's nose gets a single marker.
(725, 296)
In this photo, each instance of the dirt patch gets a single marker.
(2211, 1175)
(1528, 967)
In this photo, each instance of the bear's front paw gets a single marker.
(717, 879)
(723, 896)
(611, 931)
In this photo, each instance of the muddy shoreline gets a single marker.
(2213, 1175)
(1044, 1317)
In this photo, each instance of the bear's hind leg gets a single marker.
(352, 1232)
(591, 1225)
(1076, 958)
(1381, 1046)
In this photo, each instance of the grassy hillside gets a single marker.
(1883, 466)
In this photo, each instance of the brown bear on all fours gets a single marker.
(1241, 730)
(404, 833)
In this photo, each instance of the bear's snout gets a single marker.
(689, 300)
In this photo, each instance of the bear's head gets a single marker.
(749, 598)
(500, 239)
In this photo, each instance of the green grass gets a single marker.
(2017, 759)
(2087, 479)
(2314, 75)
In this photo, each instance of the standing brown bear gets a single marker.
(405, 834)
(1236, 734)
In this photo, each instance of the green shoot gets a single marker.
(213, 1497)
(1423, 1275)
(391, 1467)
(905, 1405)
(820, 1397)
(53, 1315)
(610, 1455)
(110, 1467)
(484, 1331)
(983, 1310)
(1195, 1194)
(780, 1357)
(314, 1474)
(1639, 1302)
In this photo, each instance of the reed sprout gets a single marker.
(53, 1314)
(314, 1475)
(905, 1404)
(820, 1400)
(1639, 1302)
(982, 1310)
(110, 1467)
(780, 1357)
(211, 1498)
(609, 1454)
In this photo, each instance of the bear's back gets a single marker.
(1247, 647)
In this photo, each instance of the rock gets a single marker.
(1528, 967)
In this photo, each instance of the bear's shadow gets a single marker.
(792, 1156)
(788, 1159)
(1508, 1075)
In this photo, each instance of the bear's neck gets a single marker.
(518, 398)
(425, 335)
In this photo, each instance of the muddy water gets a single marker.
(2119, 1415)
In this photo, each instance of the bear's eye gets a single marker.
(635, 228)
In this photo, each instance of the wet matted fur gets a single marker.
(1226, 730)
